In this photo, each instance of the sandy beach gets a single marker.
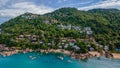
(94, 53)
(72, 54)
(116, 55)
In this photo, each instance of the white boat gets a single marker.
(60, 57)
(30, 56)
(69, 61)
(33, 58)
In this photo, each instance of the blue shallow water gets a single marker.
(52, 61)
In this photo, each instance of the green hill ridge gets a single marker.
(92, 27)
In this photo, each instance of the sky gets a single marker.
(12, 8)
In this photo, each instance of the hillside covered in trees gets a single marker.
(94, 29)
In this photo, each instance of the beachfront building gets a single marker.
(72, 42)
(60, 47)
(76, 47)
(63, 41)
(53, 42)
(91, 49)
(49, 44)
(66, 46)
(2, 47)
(106, 48)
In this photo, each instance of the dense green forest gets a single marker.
(104, 23)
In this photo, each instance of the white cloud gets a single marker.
(103, 4)
(17, 7)
(30, 7)
(22, 7)
(3, 2)
(80, 3)
(60, 1)
(10, 12)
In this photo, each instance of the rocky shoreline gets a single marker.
(13, 50)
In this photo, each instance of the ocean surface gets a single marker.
(38, 60)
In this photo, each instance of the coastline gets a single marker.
(116, 55)
(90, 54)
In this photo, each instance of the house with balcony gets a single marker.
(87, 28)
(46, 21)
(65, 26)
(76, 28)
(76, 47)
(2, 47)
(72, 42)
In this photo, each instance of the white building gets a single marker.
(76, 28)
(106, 48)
(68, 27)
(66, 46)
(87, 28)
(76, 47)
(89, 32)
(46, 21)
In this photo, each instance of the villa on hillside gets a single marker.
(66, 42)
(65, 27)
(88, 30)
(21, 36)
(76, 47)
(41, 42)
(31, 38)
(26, 17)
(2, 46)
(27, 36)
(69, 27)
(54, 21)
(72, 42)
(66, 46)
(76, 28)
(29, 16)
(106, 48)
(46, 21)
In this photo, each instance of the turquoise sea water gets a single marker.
(52, 61)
